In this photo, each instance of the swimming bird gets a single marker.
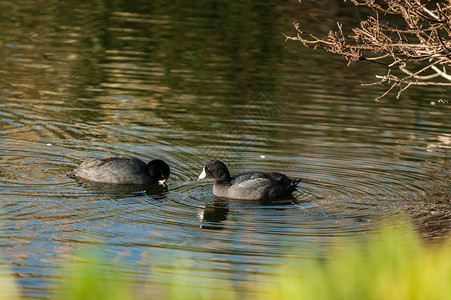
(248, 186)
(122, 170)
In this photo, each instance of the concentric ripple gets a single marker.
(346, 190)
(185, 86)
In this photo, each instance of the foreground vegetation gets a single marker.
(394, 264)
(397, 266)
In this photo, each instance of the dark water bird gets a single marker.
(122, 170)
(248, 186)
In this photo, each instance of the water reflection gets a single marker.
(212, 216)
(433, 221)
(188, 82)
(154, 191)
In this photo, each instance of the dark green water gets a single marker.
(188, 82)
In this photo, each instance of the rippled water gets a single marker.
(188, 84)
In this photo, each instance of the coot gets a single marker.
(122, 170)
(248, 186)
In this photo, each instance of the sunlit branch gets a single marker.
(421, 40)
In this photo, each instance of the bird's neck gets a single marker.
(224, 180)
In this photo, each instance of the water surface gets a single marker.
(187, 83)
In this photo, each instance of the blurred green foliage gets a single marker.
(393, 264)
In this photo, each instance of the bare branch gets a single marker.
(441, 73)
(421, 41)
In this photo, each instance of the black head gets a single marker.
(217, 170)
(158, 170)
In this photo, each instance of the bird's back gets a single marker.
(257, 186)
(122, 170)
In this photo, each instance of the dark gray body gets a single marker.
(256, 186)
(119, 170)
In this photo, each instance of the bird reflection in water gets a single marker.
(212, 216)
(154, 191)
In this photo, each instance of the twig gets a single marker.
(422, 42)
